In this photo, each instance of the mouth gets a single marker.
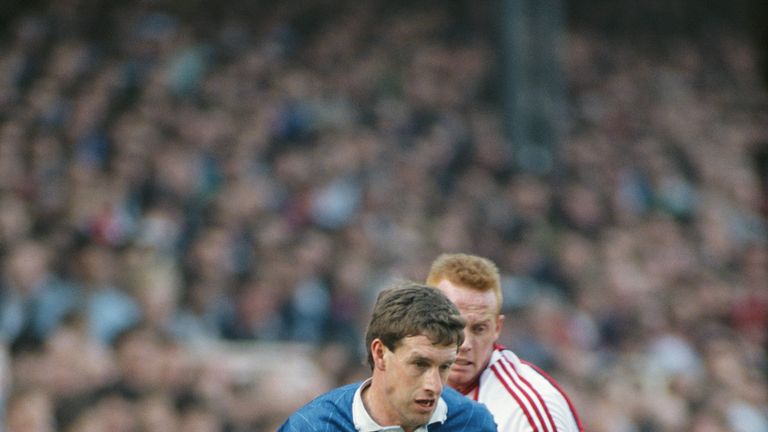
(426, 405)
(462, 362)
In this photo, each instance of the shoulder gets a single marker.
(546, 383)
(533, 390)
(329, 411)
(515, 373)
(465, 414)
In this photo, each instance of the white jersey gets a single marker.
(522, 397)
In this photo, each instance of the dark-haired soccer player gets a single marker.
(412, 340)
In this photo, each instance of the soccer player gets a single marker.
(412, 340)
(521, 397)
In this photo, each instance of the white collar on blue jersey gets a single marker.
(364, 422)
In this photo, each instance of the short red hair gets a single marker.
(470, 271)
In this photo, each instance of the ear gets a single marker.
(378, 350)
(499, 324)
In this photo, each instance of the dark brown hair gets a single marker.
(411, 309)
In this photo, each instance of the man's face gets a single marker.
(414, 375)
(480, 309)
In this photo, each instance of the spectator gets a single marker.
(29, 410)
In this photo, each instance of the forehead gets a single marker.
(470, 301)
(422, 347)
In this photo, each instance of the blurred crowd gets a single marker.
(197, 209)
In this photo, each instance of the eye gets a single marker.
(479, 329)
(421, 364)
(445, 367)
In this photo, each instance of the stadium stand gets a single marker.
(187, 192)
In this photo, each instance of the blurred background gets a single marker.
(199, 201)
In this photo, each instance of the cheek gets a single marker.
(483, 342)
(480, 339)
(403, 374)
(444, 375)
(405, 385)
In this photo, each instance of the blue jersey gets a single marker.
(332, 412)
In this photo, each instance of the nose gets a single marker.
(433, 381)
(466, 345)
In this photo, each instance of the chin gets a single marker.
(461, 380)
(419, 419)
(461, 376)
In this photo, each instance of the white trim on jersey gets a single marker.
(522, 398)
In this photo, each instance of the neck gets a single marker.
(467, 388)
(375, 403)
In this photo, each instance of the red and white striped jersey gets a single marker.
(522, 397)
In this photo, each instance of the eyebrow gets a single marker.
(418, 357)
(484, 321)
